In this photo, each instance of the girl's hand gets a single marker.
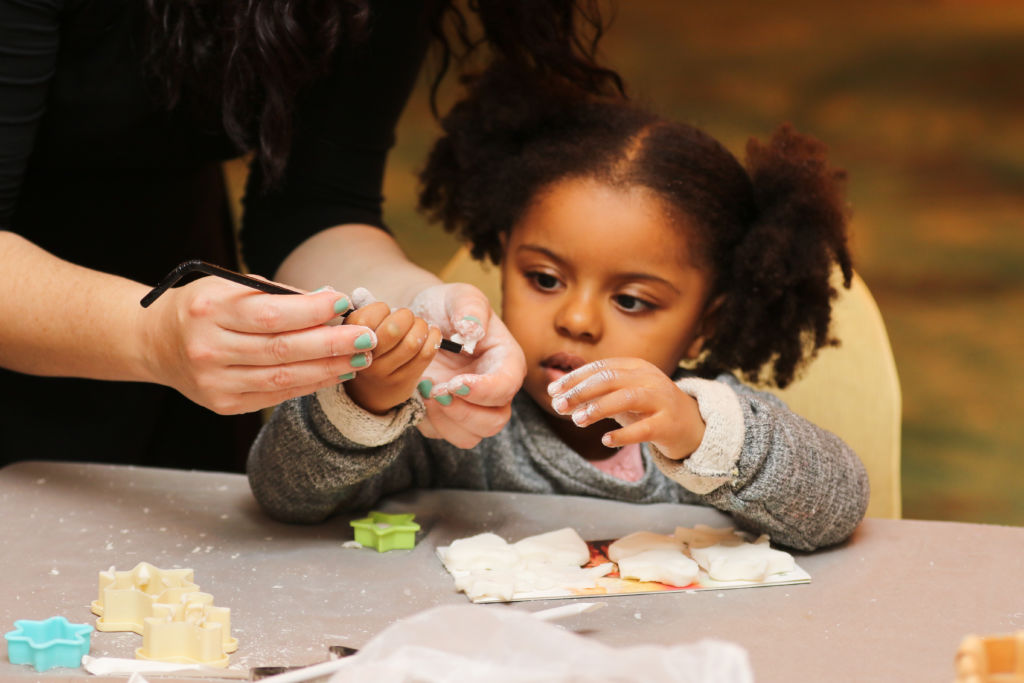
(405, 346)
(234, 350)
(637, 395)
(473, 392)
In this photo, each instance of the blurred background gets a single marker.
(923, 103)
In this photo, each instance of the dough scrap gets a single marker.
(704, 536)
(664, 565)
(641, 541)
(746, 562)
(563, 547)
(483, 551)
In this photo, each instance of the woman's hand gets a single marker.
(234, 350)
(473, 392)
(405, 346)
(637, 395)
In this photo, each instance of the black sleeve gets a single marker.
(344, 129)
(29, 38)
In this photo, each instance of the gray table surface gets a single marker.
(890, 605)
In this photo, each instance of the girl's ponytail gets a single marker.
(777, 306)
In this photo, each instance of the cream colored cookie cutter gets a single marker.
(193, 631)
(127, 598)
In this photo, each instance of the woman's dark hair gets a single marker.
(769, 233)
(252, 58)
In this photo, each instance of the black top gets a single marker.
(96, 171)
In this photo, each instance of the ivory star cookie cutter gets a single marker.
(127, 598)
(193, 631)
(386, 532)
(49, 643)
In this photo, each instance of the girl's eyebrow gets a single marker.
(542, 250)
(623, 276)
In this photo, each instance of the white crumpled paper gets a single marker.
(470, 643)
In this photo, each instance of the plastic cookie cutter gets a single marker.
(386, 532)
(127, 598)
(193, 631)
(49, 643)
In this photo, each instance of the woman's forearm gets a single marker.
(66, 320)
(350, 256)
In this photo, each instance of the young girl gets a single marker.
(628, 244)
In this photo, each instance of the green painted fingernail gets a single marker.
(342, 305)
(472, 318)
(364, 341)
(346, 376)
(359, 360)
(321, 289)
(462, 391)
(424, 388)
(444, 399)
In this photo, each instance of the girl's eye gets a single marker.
(632, 304)
(543, 281)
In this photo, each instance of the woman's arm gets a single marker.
(222, 345)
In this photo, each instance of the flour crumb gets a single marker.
(638, 615)
(352, 544)
(40, 481)
(54, 572)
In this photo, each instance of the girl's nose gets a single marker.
(579, 317)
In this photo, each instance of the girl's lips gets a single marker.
(560, 364)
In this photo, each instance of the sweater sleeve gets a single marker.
(773, 471)
(321, 454)
(29, 40)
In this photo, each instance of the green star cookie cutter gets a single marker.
(386, 532)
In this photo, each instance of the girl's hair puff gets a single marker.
(768, 233)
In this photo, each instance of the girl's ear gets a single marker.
(705, 327)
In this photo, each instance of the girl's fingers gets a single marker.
(583, 385)
(412, 362)
(371, 316)
(631, 399)
(402, 333)
(638, 432)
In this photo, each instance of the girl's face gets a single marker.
(594, 272)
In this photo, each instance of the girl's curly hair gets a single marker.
(769, 233)
(249, 60)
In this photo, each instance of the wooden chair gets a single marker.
(852, 390)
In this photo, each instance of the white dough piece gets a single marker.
(703, 536)
(664, 565)
(746, 562)
(562, 547)
(361, 296)
(540, 578)
(483, 551)
(642, 541)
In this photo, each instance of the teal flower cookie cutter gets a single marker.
(386, 532)
(49, 643)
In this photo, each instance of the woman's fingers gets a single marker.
(243, 310)
(462, 424)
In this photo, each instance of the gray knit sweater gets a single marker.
(771, 470)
